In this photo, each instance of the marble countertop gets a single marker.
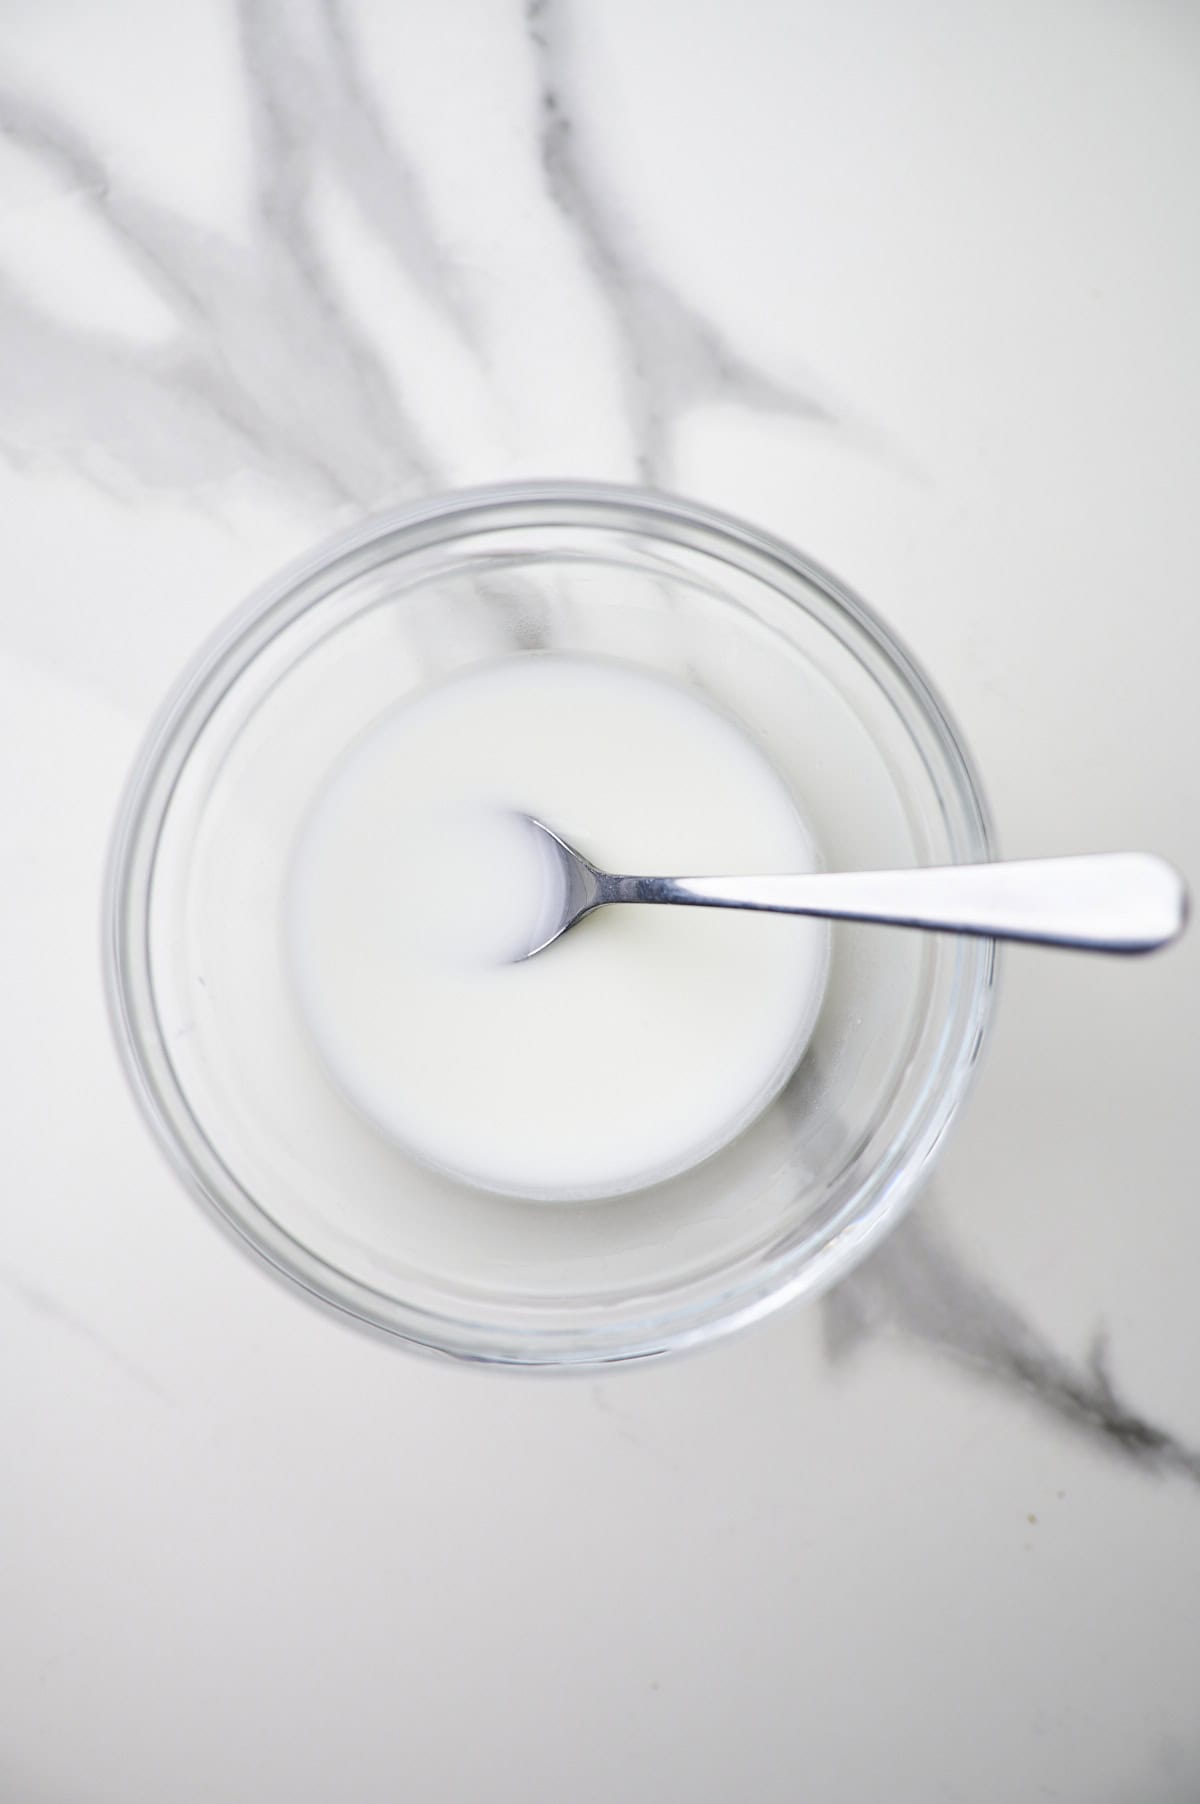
(914, 286)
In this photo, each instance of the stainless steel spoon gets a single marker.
(1107, 902)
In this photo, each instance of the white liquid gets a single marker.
(640, 1042)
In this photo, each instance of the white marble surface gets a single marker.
(915, 285)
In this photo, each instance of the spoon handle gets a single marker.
(1109, 902)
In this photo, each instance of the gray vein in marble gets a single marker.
(55, 1310)
(386, 186)
(286, 151)
(918, 1287)
(675, 358)
(265, 368)
(165, 415)
(304, 109)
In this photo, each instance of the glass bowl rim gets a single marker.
(802, 1271)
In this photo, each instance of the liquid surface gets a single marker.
(641, 1041)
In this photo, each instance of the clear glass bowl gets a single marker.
(194, 903)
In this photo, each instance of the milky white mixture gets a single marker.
(640, 1042)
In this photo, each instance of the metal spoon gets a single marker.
(1107, 902)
